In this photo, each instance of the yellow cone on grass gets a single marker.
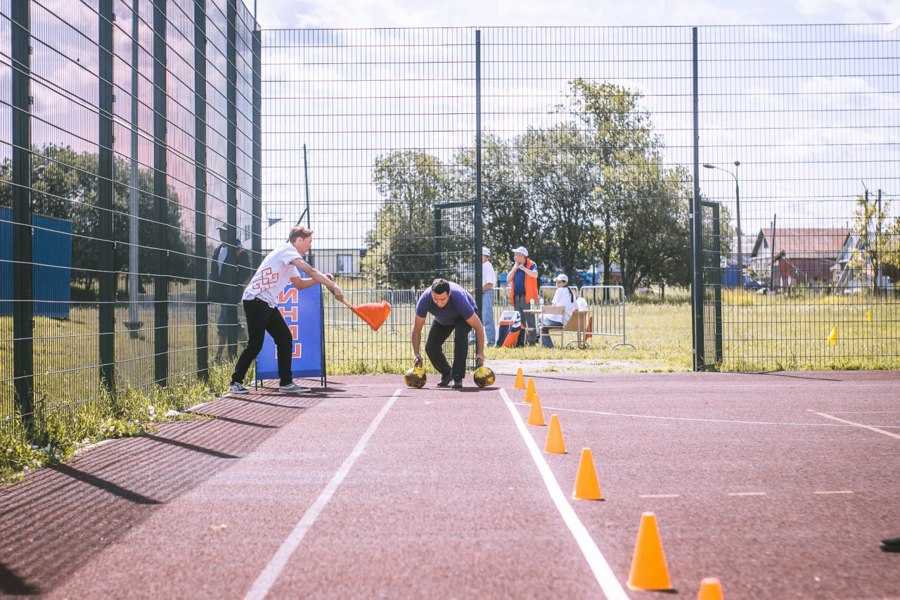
(587, 486)
(554, 443)
(869, 315)
(520, 380)
(535, 415)
(648, 566)
(831, 340)
(710, 589)
(530, 391)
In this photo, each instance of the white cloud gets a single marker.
(850, 11)
(276, 14)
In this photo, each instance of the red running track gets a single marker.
(780, 485)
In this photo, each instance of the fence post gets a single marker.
(161, 198)
(201, 306)
(479, 234)
(105, 204)
(696, 218)
(23, 311)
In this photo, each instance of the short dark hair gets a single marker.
(299, 231)
(440, 286)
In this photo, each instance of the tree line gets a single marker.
(64, 186)
(590, 190)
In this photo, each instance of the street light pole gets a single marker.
(737, 204)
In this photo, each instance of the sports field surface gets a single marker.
(780, 485)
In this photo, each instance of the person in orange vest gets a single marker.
(523, 290)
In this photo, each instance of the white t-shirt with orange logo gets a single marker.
(272, 275)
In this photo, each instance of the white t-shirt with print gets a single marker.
(272, 275)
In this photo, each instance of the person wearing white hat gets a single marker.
(523, 290)
(564, 297)
(488, 283)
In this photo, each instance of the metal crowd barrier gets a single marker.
(606, 311)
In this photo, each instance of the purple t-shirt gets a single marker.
(460, 305)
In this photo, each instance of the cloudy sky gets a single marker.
(277, 14)
(794, 156)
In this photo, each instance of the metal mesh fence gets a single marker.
(385, 123)
(586, 158)
(130, 132)
(799, 150)
(127, 141)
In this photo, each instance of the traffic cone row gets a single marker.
(648, 565)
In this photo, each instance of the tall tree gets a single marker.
(65, 187)
(508, 217)
(878, 243)
(654, 234)
(621, 133)
(401, 244)
(560, 176)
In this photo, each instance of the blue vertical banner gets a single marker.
(303, 313)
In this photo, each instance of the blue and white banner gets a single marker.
(302, 311)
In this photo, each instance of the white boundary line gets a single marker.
(601, 569)
(276, 565)
(692, 419)
(869, 427)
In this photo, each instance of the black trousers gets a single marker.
(437, 335)
(260, 319)
(528, 324)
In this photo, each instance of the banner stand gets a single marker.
(304, 313)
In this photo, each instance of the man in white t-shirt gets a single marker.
(488, 283)
(260, 301)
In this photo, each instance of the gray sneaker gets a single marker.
(293, 388)
(237, 388)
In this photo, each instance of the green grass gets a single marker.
(61, 430)
(72, 410)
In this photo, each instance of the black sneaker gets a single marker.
(457, 384)
(445, 381)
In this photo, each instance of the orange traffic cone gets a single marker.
(530, 390)
(710, 589)
(536, 415)
(587, 487)
(520, 380)
(831, 340)
(648, 567)
(554, 443)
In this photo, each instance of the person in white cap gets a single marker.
(488, 283)
(565, 297)
(523, 290)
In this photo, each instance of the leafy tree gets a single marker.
(401, 244)
(879, 239)
(560, 176)
(509, 218)
(64, 184)
(655, 230)
(621, 133)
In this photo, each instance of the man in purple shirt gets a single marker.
(453, 310)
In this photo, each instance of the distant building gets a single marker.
(802, 256)
(338, 261)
